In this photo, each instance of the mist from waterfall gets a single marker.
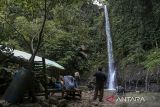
(111, 67)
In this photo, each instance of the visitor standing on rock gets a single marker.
(100, 82)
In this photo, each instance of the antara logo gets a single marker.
(130, 99)
(112, 99)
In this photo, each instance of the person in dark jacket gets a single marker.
(100, 82)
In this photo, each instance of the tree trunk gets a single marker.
(158, 76)
(137, 84)
(129, 85)
(40, 35)
(125, 81)
(125, 84)
(146, 80)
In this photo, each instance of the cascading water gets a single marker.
(111, 68)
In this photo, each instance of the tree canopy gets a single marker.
(73, 24)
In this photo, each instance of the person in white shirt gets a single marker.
(77, 78)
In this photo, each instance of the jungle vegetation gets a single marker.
(74, 33)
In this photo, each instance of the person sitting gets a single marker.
(68, 86)
(59, 84)
(69, 82)
(61, 80)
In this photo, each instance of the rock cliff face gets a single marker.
(132, 78)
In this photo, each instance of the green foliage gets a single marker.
(152, 59)
(135, 29)
(135, 26)
(73, 26)
(69, 25)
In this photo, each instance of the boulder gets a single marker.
(1, 105)
(54, 106)
(53, 100)
(44, 104)
(62, 103)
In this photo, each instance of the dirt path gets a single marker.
(151, 100)
(87, 101)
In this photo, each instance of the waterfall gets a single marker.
(111, 68)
